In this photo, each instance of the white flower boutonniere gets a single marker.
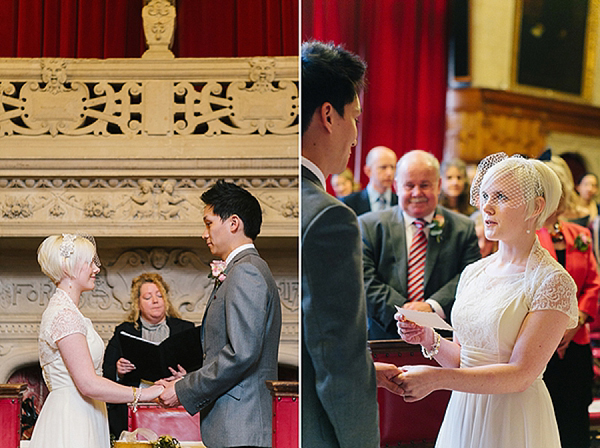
(436, 227)
(217, 271)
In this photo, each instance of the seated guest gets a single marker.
(153, 318)
(343, 183)
(414, 253)
(378, 195)
(569, 374)
(486, 247)
(455, 187)
(587, 187)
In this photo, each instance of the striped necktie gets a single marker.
(416, 263)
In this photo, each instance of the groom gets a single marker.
(240, 329)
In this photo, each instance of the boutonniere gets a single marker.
(582, 242)
(217, 271)
(436, 227)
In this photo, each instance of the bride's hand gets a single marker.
(151, 393)
(413, 333)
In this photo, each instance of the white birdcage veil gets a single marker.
(516, 181)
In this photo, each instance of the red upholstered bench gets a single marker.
(175, 422)
(415, 424)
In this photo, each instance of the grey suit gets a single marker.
(339, 402)
(240, 338)
(385, 264)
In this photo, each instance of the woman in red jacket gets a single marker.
(569, 375)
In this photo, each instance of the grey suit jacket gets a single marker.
(240, 338)
(359, 201)
(385, 264)
(339, 401)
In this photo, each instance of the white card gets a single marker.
(425, 319)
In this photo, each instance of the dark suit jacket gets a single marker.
(386, 261)
(359, 201)
(117, 413)
(339, 401)
(240, 338)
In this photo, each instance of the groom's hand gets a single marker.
(168, 398)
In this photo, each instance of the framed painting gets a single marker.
(554, 47)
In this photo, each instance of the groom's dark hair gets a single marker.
(330, 74)
(227, 199)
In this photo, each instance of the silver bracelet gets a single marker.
(437, 341)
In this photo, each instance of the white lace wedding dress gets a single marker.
(487, 317)
(68, 419)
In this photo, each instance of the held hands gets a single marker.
(416, 382)
(386, 374)
(151, 393)
(168, 399)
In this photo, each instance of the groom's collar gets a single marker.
(237, 250)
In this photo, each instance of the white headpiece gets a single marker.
(67, 247)
(518, 181)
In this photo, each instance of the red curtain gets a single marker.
(113, 28)
(405, 46)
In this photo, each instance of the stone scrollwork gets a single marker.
(56, 106)
(260, 108)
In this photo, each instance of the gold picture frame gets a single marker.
(554, 48)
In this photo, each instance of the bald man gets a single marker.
(380, 167)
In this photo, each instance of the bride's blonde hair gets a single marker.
(57, 265)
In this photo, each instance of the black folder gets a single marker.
(152, 360)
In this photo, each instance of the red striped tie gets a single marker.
(416, 263)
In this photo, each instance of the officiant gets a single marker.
(153, 318)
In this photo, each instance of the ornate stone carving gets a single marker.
(259, 104)
(159, 23)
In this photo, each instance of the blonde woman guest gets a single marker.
(74, 413)
(512, 310)
(154, 318)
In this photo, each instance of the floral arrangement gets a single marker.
(166, 442)
(217, 271)
(582, 242)
(436, 227)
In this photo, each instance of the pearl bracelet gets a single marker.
(437, 341)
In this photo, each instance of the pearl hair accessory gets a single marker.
(67, 247)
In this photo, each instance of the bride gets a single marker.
(511, 310)
(71, 352)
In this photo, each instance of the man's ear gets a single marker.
(235, 224)
(326, 116)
